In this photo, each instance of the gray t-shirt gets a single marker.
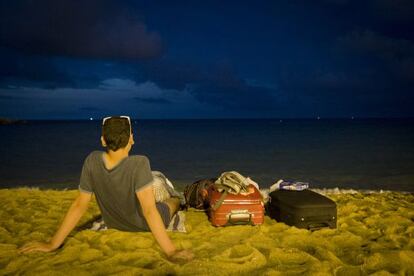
(115, 189)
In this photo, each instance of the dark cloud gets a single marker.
(390, 10)
(92, 29)
(23, 70)
(369, 80)
(7, 97)
(318, 83)
(172, 75)
(347, 94)
(369, 42)
(223, 88)
(399, 10)
(214, 85)
(284, 61)
(32, 71)
(367, 74)
(152, 100)
(395, 56)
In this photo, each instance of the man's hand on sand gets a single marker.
(182, 256)
(36, 246)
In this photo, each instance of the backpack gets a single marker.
(196, 194)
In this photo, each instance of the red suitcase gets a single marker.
(236, 209)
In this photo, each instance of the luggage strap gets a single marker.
(221, 199)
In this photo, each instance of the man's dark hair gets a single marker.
(116, 132)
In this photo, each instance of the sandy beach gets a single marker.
(375, 235)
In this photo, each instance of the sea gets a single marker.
(368, 154)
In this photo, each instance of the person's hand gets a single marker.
(182, 256)
(36, 246)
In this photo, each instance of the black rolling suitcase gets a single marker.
(303, 209)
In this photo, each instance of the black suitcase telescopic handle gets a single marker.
(317, 226)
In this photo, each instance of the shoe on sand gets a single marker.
(99, 226)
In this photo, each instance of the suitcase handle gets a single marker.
(317, 226)
(239, 218)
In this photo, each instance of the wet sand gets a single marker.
(375, 234)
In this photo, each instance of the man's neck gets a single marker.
(114, 157)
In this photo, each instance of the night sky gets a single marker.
(67, 59)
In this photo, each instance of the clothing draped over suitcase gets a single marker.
(234, 200)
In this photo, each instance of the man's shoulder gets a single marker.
(138, 159)
(94, 156)
(137, 163)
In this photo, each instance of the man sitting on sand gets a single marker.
(123, 188)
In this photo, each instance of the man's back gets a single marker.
(115, 189)
(123, 188)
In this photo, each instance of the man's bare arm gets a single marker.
(75, 212)
(154, 221)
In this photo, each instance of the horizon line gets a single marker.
(235, 118)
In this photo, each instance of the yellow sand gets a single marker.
(375, 235)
